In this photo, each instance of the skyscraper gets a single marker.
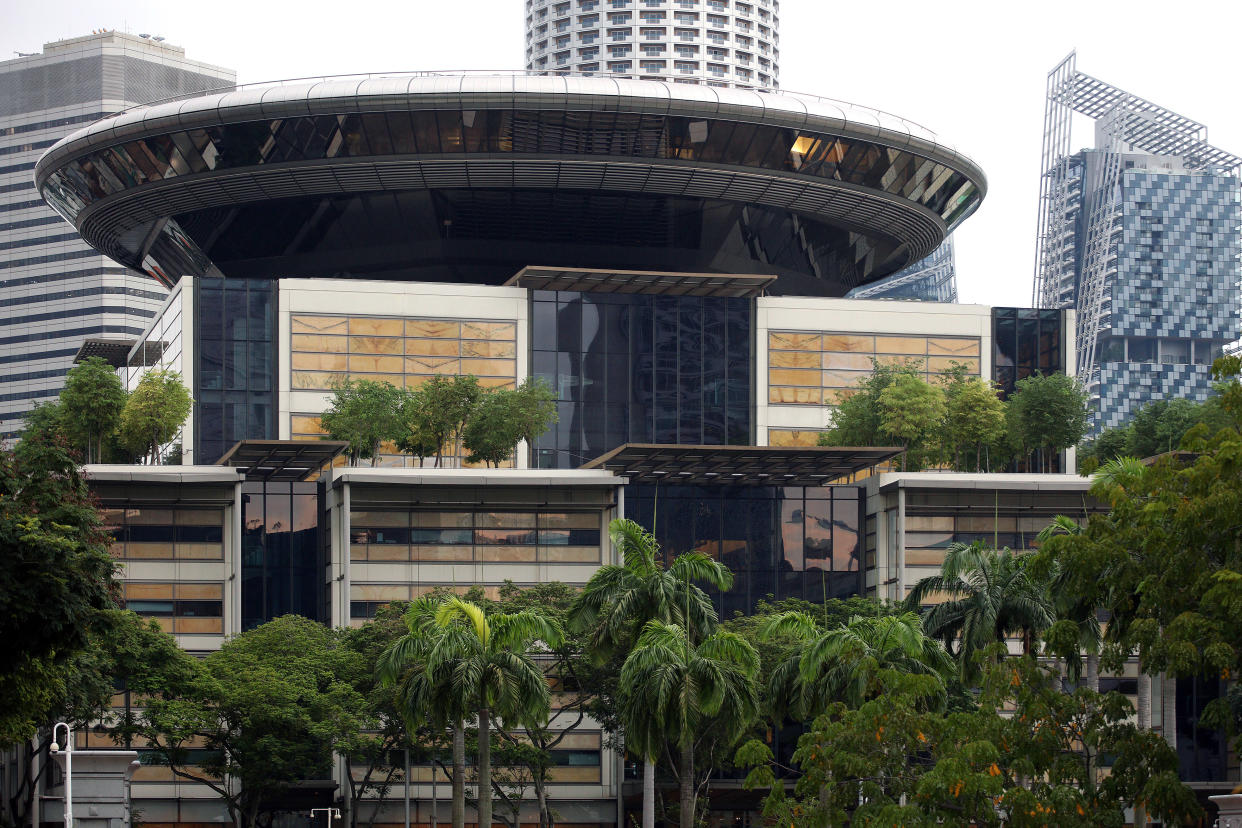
(717, 43)
(933, 279)
(55, 290)
(1141, 235)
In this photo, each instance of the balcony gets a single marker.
(589, 38)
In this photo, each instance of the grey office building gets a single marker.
(1140, 235)
(55, 290)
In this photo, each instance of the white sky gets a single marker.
(973, 72)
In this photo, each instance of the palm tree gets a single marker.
(427, 691)
(620, 599)
(991, 596)
(480, 662)
(670, 686)
(1070, 605)
(844, 664)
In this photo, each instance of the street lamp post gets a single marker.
(330, 813)
(68, 768)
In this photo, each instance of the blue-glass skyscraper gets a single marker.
(1139, 235)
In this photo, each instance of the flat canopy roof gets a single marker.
(281, 460)
(739, 465)
(585, 280)
(115, 352)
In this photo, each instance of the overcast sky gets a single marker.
(973, 72)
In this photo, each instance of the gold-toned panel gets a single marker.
(371, 326)
(924, 557)
(392, 379)
(306, 424)
(930, 523)
(509, 554)
(793, 359)
(204, 592)
(200, 551)
(791, 376)
(900, 359)
(849, 342)
(433, 347)
(319, 324)
(387, 552)
(488, 330)
(483, 348)
(496, 382)
(844, 379)
(316, 343)
(432, 365)
(939, 364)
(376, 345)
(489, 367)
(435, 328)
(316, 380)
(789, 341)
(199, 626)
(376, 364)
(901, 345)
(848, 362)
(319, 362)
(801, 396)
(792, 437)
(140, 591)
(952, 346)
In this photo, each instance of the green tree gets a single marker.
(266, 710)
(1047, 414)
(429, 690)
(671, 685)
(912, 410)
(417, 436)
(974, 421)
(857, 419)
(364, 414)
(153, 413)
(44, 422)
(91, 403)
(56, 577)
(1024, 758)
(990, 596)
(502, 418)
(843, 663)
(620, 600)
(485, 662)
(124, 653)
(443, 409)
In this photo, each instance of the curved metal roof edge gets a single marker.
(377, 94)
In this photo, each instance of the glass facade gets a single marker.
(283, 556)
(1025, 341)
(484, 236)
(631, 368)
(791, 542)
(181, 608)
(1202, 753)
(235, 341)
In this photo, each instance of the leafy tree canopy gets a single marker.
(90, 405)
(1156, 428)
(895, 761)
(153, 413)
(56, 578)
(364, 414)
(267, 709)
(1046, 414)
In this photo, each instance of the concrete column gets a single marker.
(1230, 806)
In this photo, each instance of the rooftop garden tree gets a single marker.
(90, 406)
(912, 410)
(365, 414)
(154, 413)
(1047, 414)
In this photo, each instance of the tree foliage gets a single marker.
(1047, 414)
(154, 413)
(1156, 428)
(90, 406)
(974, 422)
(56, 578)
(895, 760)
(268, 709)
(365, 414)
(912, 410)
(504, 417)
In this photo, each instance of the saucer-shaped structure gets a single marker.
(468, 178)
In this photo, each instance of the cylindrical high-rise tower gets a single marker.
(716, 42)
